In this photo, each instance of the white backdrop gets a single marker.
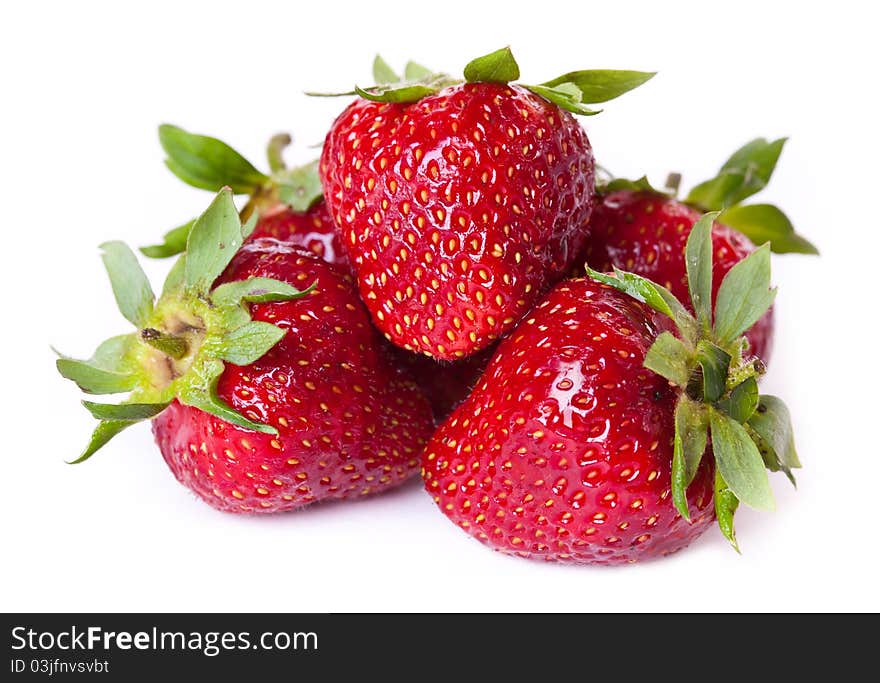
(85, 85)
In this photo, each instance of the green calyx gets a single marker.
(184, 338)
(718, 390)
(210, 164)
(572, 91)
(744, 174)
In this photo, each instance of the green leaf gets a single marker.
(656, 296)
(715, 363)
(698, 259)
(758, 154)
(740, 462)
(602, 85)
(131, 288)
(670, 358)
(399, 94)
(691, 435)
(678, 477)
(94, 380)
(746, 172)
(257, 289)
(715, 194)
(112, 353)
(496, 67)
(771, 461)
(248, 343)
(772, 422)
(208, 163)
(249, 225)
(566, 96)
(125, 412)
(726, 504)
(312, 93)
(300, 187)
(565, 90)
(215, 238)
(692, 424)
(176, 276)
(640, 185)
(382, 73)
(105, 431)
(173, 242)
(416, 72)
(106, 372)
(766, 223)
(744, 295)
(201, 392)
(742, 401)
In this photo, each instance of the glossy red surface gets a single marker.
(349, 423)
(313, 230)
(563, 452)
(647, 234)
(458, 211)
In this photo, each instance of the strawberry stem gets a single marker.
(169, 344)
(673, 182)
(750, 368)
(274, 151)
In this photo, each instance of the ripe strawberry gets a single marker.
(587, 439)
(638, 229)
(461, 203)
(445, 384)
(288, 202)
(313, 230)
(645, 233)
(268, 386)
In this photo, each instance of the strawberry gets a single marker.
(461, 203)
(288, 202)
(267, 385)
(645, 233)
(586, 440)
(313, 230)
(638, 229)
(445, 383)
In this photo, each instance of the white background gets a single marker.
(84, 87)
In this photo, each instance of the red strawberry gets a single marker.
(288, 202)
(638, 229)
(313, 230)
(306, 406)
(574, 447)
(460, 204)
(445, 384)
(645, 233)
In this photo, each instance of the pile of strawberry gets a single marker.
(571, 362)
